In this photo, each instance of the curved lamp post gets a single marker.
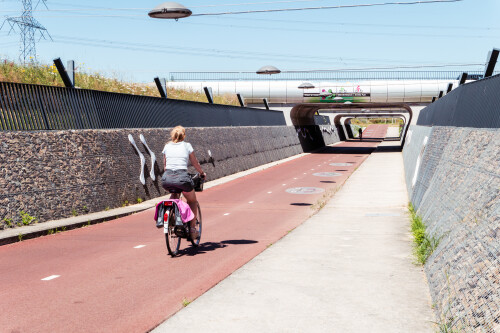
(170, 10)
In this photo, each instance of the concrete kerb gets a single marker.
(13, 235)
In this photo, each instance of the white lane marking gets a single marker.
(295, 178)
(269, 192)
(226, 214)
(52, 277)
(250, 202)
(139, 246)
(283, 184)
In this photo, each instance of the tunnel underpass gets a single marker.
(303, 114)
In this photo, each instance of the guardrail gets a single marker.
(35, 107)
(326, 75)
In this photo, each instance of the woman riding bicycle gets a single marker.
(177, 153)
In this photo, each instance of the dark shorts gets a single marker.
(174, 180)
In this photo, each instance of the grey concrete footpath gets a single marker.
(13, 235)
(349, 268)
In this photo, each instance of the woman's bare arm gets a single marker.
(196, 164)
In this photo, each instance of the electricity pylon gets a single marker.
(28, 27)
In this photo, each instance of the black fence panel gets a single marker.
(28, 107)
(475, 104)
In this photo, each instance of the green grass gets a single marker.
(424, 243)
(363, 122)
(185, 302)
(85, 78)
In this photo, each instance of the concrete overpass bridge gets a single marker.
(288, 91)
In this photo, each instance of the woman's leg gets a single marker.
(193, 204)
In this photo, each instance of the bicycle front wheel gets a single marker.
(196, 241)
(173, 241)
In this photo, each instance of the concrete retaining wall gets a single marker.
(57, 174)
(456, 190)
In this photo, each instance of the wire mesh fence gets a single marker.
(30, 107)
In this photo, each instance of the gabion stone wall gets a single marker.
(457, 193)
(57, 174)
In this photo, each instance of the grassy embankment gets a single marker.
(364, 122)
(48, 75)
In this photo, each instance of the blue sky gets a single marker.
(118, 39)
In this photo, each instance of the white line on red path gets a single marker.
(139, 246)
(226, 214)
(250, 202)
(52, 277)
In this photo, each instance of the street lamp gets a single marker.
(268, 70)
(170, 10)
(306, 85)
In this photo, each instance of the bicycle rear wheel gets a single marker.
(196, 241)
(173, 241)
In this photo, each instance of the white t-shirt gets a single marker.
(177, 155)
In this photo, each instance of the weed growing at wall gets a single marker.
(7, 223)
(425, 244)
(21, 220)
(26, 218)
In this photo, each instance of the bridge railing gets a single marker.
(326, 75)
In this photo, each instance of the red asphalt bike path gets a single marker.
(105, 284)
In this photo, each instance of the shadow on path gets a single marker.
(212, 246)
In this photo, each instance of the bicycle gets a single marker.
(173, 226)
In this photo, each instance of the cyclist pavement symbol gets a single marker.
(305, 190)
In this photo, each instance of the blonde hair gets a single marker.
(178, 134)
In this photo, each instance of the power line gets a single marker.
(257, 3)
(153, 48)
(328, 7)
(323, 23)
(347, 32)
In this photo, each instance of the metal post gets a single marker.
(433, 99)
(62, 72)
(71, 71)
(450, 86)
(492, 61)
(463, 78)
(440, 94)
(160, 84)
(241, 99)
(266, 103)
(208, 92)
